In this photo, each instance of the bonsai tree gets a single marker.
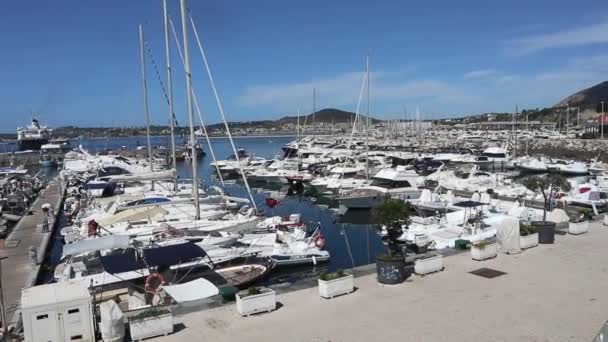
(394, 215)
(548, 186)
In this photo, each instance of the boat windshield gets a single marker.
(390, 184)
(494, 155)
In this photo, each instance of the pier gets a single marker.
(548, 293)
(18, 270)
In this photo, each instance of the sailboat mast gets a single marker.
(145, 88)
(314, 109)
(567, 120)
(170, 88)
(190, 110)
(367, 130)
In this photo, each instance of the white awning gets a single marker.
(96, 244)
(148, 176)
(191, 291)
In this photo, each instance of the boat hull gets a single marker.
(33, 144)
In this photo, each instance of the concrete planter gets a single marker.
(429, 265)
(151, 326)
(528, 241)
(336, 287)
(482, 253)
(247, 304)
(578, 228)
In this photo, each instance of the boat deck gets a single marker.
(17, 270)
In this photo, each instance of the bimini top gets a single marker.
(398, 174)
(170, 255)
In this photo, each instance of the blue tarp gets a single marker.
(171, 255)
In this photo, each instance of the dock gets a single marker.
(548, 293)
(18, 271)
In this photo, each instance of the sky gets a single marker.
(77, 62)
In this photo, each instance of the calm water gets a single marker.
(362, 241)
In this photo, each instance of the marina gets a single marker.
(208, 215)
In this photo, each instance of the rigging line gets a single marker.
(198, 109)
(162, 85)
(221, 108)
(356, 115)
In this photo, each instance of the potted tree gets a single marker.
(482, 250)
(150, 322)
(254, 300)
(335, 284)
(579, 223)
(548, 186)
(393, 215)
(528, 237)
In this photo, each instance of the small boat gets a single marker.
(568, 168)
(531, 165)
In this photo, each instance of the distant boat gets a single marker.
(33, 136)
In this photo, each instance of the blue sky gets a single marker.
(77, 61)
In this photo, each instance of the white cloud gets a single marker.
(584, 35)
(343, 90)
(478, 74)
(483, 91)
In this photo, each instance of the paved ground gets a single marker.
(18, 270)
(550, 293)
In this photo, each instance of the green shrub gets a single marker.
(481, 244)
(587, 213)
(152, 312)
(526, 229)
(332, 276)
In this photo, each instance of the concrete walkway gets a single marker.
(18, 270)
(550, 293)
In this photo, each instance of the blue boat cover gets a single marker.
(171, 255)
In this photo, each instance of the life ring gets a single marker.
(319, 241)
(150, 287)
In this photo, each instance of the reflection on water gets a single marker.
(349, 240)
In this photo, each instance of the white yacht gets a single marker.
(499, 156)
(568, 168)
(394, 183)
(532, 164)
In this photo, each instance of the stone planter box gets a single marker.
(250, 304)
(528, 241)
(336, 287)
(578, 228)
(151, 326)
(429, 265)
(486, 252)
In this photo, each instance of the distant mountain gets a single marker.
(587, 99)
(327, 115)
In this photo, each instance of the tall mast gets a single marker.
(298, 128)
(170, 88)
(145, 88)
(221, 109)
(367, 130)
(190, 111)
(314, 109)
(567, 119)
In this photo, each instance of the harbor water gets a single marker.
(351, 240)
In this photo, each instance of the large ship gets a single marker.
(33, 136)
